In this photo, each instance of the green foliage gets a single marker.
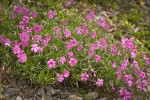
(36, 69)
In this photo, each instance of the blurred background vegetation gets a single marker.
(132, 20)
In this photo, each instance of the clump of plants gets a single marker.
(56, 46)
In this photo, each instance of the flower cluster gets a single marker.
(64, 75)
(22, 57)
(6, 41)
(80, 51)
(51, 14)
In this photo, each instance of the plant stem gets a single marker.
(0, 82)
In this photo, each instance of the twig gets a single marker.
(43, 98)
(0, 82)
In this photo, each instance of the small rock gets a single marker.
(104, 13)
(77, 98)
(25, 88)
(64, 95)
(41, 91)
(119, 98)
(104, 98)
(72, 96)
(93, 95)
(49, 90)
(18, 98)
(136, 29)
(12, 98)
(57, 91)
(10, 91)
(2, 96)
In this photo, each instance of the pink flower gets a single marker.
(130, 83)
(94, 75)
(125, 63)
(60, 78)
(144, 54)
(67, 33)
(134, 53)
(121, 91)
(13, 16)
(37, 28)
(84, 76)
(26, 19)
(128, 77)
(3, 68)
(69, 45)
(62, 60)
(34, 14)
(107, 27)
(113, 64)
(85, 31)
(16, 49)
(66, 73)
(91, 53)
(91, 15)
(51, 14)
(73, 42)
(35, 47)
(93, 35)
(127, 44)
(147, 60)
(80, 48)
(24, 43)
(135, 63)
(47, 39)
(26, 11)
(18, 9)
(137, 70)
(102, 44)
(24, 36)
(119, 75)
(79, 30)
(51, 63)
(92, 70)
(142, 75)
(119, 53)
(57, 29)
(37, 38)
(100, 82)
(64, 23)
(22, 57)
(102, 23)
(28, 30)
(84, 25)
(142, 84)
(113, 50)
(70, 54)
(127, 95)
(97, 58)
(92, 46)
(22, 25)
(40, 49)
(7, 42)
(113, 88)
(72, 61)
(1, 5)
(71, 1)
